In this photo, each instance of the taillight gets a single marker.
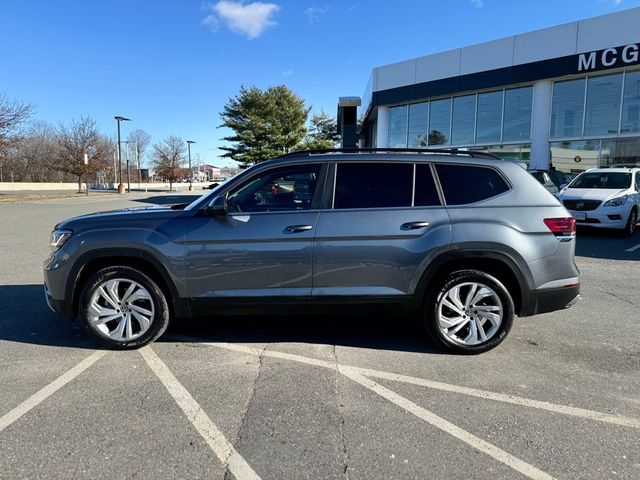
(561, 227)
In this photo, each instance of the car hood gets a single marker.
(122, 216)
(602, 194)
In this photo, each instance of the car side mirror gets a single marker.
(217, 206)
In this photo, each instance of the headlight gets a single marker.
(59, 238)
(616, 202)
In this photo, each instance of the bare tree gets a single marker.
(13, 115)
(35, 153)
(169, 158)
(82, 151)
(139, 141)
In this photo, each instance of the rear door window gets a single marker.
(373, 185)
(426, 192)
(465, 184)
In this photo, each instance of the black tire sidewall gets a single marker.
(463, 276)
(630, 228)
(160, 320)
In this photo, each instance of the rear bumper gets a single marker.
(552, 299)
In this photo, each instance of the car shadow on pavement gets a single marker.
(167, 199)
(606, 244)
(26, 318)
(382, 333)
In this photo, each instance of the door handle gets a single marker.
(298, 228)
(414, 225)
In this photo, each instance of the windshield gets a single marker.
(609, 180)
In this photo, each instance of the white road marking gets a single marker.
(633, 249)
(44, 393)
(446, 426)
(211, 434)
(473, 392)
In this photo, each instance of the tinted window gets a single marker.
(426, 193)
(464, 184)
(373, 185)
(288, 188)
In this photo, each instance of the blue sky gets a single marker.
(171, 65)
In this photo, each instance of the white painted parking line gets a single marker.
(211, 434)
(473, 392)
(446, 426)
(44, 393)
(633, 249)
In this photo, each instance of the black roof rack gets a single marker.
(448, 151)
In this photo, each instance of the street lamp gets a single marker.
(118, 120)
(189, 142)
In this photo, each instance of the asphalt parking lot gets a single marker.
(316, 398)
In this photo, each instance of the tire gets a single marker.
(123, 308)
(489, 316)
(630, 228)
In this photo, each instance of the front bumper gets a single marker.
(602, 217)
(552, 299)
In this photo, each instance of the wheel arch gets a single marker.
(508, 267)
(93, 261)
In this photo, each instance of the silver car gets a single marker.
(462, 240)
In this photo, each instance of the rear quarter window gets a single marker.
(465, 184)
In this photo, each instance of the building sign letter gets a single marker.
(630, 57)
(584, 64)
(607, 62)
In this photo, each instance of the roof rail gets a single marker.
(448, 151)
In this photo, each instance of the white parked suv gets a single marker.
(605, 198)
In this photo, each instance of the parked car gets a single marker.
(543, 177)
(385, 232)
(605, 198)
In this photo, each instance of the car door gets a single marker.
(261, 251)
(377, 234)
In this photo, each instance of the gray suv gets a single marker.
(464, 240)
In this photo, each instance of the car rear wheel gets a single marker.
(123, 308)
(471, 312)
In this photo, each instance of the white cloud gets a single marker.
(287, 73)
(611, 3)
(250, 19)
(477, 3)
(314, 13)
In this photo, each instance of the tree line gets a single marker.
(264, 124)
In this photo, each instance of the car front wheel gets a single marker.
(630, 228)
(123, 308)
(471, 312)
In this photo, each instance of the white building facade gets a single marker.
(566, 96)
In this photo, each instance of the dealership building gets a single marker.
(566, 96)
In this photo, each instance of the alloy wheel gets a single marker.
(470, 314)
(121, 309)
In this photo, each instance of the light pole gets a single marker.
(189, 142)
(118, 120)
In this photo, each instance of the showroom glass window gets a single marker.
(398, 126)
(418, 117)
(603, 105)
(631, 103)
(373, 185)
(489, 117)
(440, 122)
(567, 108)
(464, 118)
(517, 114)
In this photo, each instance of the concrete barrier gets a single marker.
(52, 186)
